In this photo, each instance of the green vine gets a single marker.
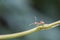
(20, 34)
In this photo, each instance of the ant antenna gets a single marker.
(35, 19)
(36, 23)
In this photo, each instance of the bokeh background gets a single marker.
(16, 15)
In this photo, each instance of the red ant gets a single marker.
(37, 23)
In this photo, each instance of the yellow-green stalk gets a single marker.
(20, 34)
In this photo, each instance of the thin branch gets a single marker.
(20, 34)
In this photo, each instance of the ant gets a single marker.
(37, 23)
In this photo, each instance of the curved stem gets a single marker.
(18, 34)
(14, 35)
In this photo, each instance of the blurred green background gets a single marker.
(16, 15)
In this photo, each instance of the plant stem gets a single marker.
(20, 34)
